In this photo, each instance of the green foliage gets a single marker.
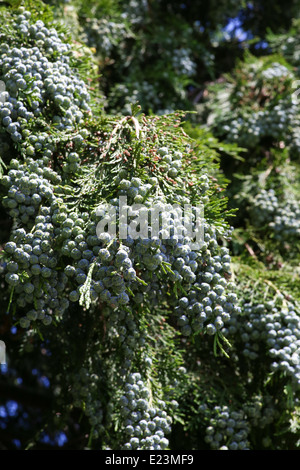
(255, 106)
(130, 299)
(132, 343)
(287, 44)
(153, 53)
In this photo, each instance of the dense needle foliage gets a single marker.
(148, 342)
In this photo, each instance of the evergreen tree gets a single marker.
(148, 340)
